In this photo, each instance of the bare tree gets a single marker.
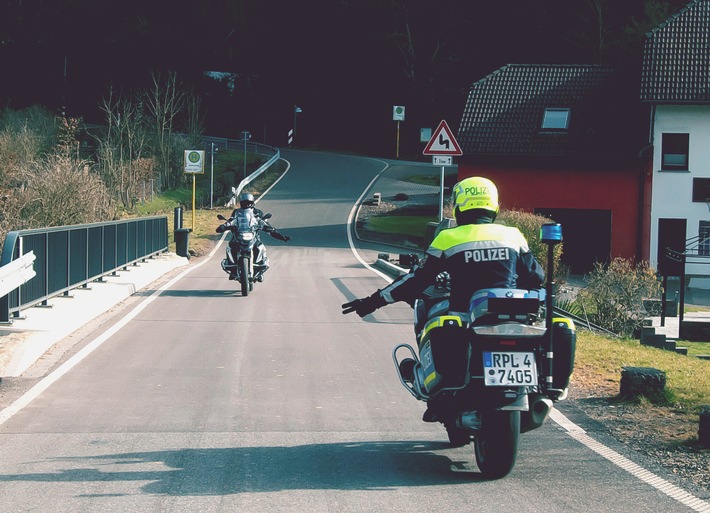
(164, 101)
(195, 122)
(68, 136)
(124, 160)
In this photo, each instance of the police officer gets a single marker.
(477, 254)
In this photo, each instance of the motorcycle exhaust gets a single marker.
(537, 415)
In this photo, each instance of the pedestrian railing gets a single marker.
(68, 257)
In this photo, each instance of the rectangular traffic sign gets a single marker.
(440, 160)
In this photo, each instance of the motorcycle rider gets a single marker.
(477, 254)
(261, 261)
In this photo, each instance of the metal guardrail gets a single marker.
(16, 273)
(68, 257)
(256, 148)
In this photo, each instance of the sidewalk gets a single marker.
(38, 328)
(671, 325)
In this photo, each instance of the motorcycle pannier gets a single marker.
(444, 353)
(564, 344)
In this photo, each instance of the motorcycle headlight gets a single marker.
(246, 236)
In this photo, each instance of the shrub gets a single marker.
(529, 225)
(63, 191)
(615, 294)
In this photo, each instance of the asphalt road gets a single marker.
(197, 399)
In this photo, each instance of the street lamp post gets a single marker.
(296, 110)
(245, 136)
(211, 175)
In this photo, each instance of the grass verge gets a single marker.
(600, 360)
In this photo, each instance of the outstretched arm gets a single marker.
(280, 236)
(274, 233)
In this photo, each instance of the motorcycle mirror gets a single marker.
(267, 216)
(221, 217)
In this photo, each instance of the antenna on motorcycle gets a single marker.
(550, 234)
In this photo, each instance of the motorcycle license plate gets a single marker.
(502, 369)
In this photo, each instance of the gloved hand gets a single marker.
(365, 306)
(287, 238)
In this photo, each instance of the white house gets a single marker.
(675, 83)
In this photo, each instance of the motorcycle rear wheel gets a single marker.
(496, 445)
(244, 275)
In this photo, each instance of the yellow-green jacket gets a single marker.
(476, 256)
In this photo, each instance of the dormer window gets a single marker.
(555, 119)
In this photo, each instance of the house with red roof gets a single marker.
(567, 142)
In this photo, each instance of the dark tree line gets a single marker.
(346, 63)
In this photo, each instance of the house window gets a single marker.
(674, 152)
(555, 119)
(704, 238)
(701, 190)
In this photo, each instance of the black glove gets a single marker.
(280, 236)
(365, 306)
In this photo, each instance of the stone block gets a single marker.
(670, 345)
(658, 341)
(638, 381)
(694, 331)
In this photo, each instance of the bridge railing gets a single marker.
(68, 257)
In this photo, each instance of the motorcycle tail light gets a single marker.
(510, 330)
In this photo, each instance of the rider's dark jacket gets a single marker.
(476, 256)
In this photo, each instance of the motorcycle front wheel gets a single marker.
(244, 275)
(496, 445)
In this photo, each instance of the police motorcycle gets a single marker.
(245, 254)
(492, 373)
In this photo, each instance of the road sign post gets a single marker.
(398, 115)
(194, 165)
(442, 147)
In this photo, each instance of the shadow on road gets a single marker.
(338, 466)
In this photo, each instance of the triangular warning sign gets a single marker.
(442, 142)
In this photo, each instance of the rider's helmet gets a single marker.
(246, 200)
(475, 193)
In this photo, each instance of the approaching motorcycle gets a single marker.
(495, 372)
(245, 248)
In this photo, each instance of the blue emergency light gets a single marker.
(551, 233)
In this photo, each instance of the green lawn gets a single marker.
(414, 226)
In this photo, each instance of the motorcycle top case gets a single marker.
(444, 353)
(504, 302)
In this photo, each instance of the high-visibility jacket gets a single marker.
(476, 256)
